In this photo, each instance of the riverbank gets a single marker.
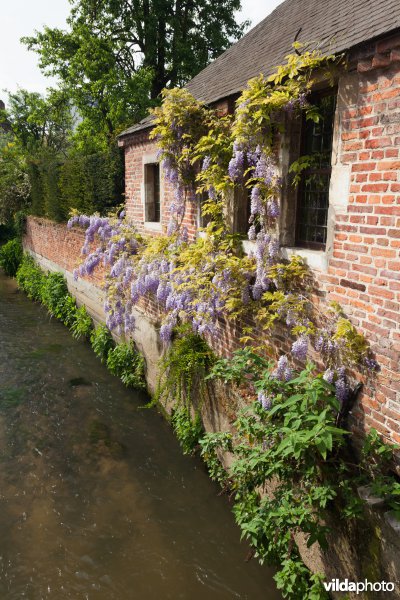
(97, 499)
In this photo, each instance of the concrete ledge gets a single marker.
(145, 335)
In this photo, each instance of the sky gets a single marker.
(19, 67)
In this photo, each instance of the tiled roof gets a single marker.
(143, 124)
(335, 25)
(332, 25)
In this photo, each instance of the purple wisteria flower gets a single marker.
(329, 375)
(274, 248)
(264, 400)
(342, 386)
(300, 348)
(273, 209)
(283, 371)
(256, 206)
(265, 170)
(206, 163)
(371, 363)
(252, 234)
(236, 166)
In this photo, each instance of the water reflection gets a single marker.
(96, 499)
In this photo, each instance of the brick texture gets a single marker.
(363, 272)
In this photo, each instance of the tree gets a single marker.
(37, 122)
(39, 132)
(119, 54)
(14, 181)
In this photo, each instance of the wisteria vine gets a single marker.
(204, 280)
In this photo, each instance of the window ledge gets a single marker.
(316, 259)
(153, 225)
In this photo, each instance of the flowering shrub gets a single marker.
(200, 281)
(290, 435)
(289, 439)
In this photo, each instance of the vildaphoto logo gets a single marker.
(337, 585)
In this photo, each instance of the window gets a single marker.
(152, 192)
(202, 219)
(313, 193)
(242, 204)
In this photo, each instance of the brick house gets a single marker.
(347, 227)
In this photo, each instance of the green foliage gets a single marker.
(295, 581)
(264, 97)
(86, 184)
(128, 364)
(57, 300)
(102, 342)
(39, 122)
(38, 138)
(294, 450)
(82, 324)
(293, 447)
(50, 289)
(188, 429)
(11, 256)
(245, 365)
(7, 232)
(15, 186)
(114, 59)
(123, 360)
(183, 369)
(92, 183)
(30, 278)
(354, 345)
(20, 222)
(211, 444)
(378, 459)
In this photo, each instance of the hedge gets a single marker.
(89, 184)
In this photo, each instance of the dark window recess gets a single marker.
(202, 219)
(313, 194)
(152, 192)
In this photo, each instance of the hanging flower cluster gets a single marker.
(203, 280)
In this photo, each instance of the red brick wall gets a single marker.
(136, 146)
(58, 244)
(363, 272)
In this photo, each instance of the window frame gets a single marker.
(298, 242)
(150, 160)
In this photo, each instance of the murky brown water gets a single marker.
(96, 499)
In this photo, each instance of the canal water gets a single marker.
(96, 499)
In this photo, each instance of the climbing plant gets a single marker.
(290, 472)
(183, 384)
(292, 436)
(199, 281)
